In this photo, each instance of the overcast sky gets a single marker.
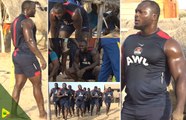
(182, 4)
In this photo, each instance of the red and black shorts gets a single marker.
(26, 64)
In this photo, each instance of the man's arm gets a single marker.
(76, 61)
(75, 95)
(28, 26)
(53, 24)
(54, 68)
(59, 94)
(50, 94)
(77, 23)
(122, 68)
(177, 65)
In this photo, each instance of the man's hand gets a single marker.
(177, 116)
(43, 64)
(80, 73)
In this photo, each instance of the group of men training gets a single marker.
(65, 99)
(64, 19)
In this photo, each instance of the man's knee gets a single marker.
(68, 73)
(96, 70)
(36, 81)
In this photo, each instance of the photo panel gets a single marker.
(84, 100)
(144, 39)
(22, 62)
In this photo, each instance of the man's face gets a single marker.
(143, 16)
(84, 88)
(79, 87)
(95, 88)
(32, 10)
(58, 14)
(56, 85)
(64, 85)
(109, 89)
(69, 87)
(82, 46)
(99, 89)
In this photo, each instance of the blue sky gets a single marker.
(84, 84)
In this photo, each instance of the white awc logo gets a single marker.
(137, 59)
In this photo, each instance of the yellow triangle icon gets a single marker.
(5, 113)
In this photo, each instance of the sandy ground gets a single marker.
(27, 101)
(113, 114)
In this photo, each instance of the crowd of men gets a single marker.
(66, 99)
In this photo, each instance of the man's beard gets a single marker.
(139, 27)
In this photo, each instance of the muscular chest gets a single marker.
(144, 51)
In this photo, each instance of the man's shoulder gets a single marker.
(133, 35)
(27, 22)
(93, 51)
(53, 89)
(163, 35)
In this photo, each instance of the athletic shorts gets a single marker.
(147, 113)
(71, 103)
(26, 64)
(64, 103)
(56, 102)
(80, 104)
(53, 56)
(88, 75)
(95, 102)
(107, 100)
(107, 103)
(70, 28)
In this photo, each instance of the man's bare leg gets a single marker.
(19, 84)
(71, 74)
(66, 113)
(64, 60)
(38, 95)
(92, 107)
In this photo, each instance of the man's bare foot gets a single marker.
(43, 116)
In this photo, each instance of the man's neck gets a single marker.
(149, 30)
(25, 14)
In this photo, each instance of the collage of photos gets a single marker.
(84, 47)
(92, 60)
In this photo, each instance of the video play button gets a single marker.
(5, 113)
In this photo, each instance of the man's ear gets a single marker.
(154, 17)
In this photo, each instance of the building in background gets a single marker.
(169, 8)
